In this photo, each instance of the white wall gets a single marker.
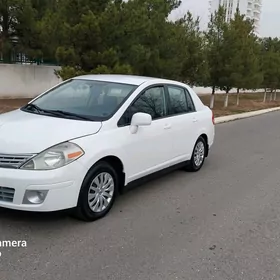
(26, 81)
(203, 90)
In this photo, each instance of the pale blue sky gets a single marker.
(270, 18)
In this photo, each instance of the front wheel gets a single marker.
(198, 155)
(98, 192)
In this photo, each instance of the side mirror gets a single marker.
(139, 119)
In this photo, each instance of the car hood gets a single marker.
(23, 132)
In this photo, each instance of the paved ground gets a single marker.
(221, 223)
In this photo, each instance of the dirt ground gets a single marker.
(11, 104)
(248, 102)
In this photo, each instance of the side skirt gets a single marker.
(153, 176)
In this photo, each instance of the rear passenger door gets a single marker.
(182, 115)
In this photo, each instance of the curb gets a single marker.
(230, 118)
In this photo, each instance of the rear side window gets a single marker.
(177, 100)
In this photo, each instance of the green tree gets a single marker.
(214, 51)
(19, 28)
(195, 66)
(270, 57)
(145, 39)
(240, 54)
(82, 46)
(115, 37)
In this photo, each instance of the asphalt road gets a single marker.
(221, 223)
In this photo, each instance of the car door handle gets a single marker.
(195, 120)
(167, 126)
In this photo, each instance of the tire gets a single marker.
(92, 193)
(195, 164)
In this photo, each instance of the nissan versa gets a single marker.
(78, 144)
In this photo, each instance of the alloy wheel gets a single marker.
(199, 153)
(101, 192)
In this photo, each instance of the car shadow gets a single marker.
(42, 219)
(9, 215)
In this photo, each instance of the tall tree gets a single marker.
(19, 29)
(82, 46)
(270, 65)
(241, 56)
(157, 48)
(195, 66)
(90, 42)
(215, 46)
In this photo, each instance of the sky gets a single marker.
(270, 17)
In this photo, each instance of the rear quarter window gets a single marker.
(190, 103)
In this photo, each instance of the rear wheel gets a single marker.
(98, 192)
(198, 155)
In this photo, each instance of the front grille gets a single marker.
(7, 194)
(13, 161)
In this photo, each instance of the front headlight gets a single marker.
(54, 157)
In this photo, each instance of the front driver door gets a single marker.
(147, 147)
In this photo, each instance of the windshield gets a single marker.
(82, 99)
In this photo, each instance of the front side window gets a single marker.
(88, 99)
(152, 101)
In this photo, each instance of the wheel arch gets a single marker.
(205, 137)
(116, 163)
(82, 209)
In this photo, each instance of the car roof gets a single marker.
(124, 79)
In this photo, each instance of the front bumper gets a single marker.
(63, 186)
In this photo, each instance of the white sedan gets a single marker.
(80, 143)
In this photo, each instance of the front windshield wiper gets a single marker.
(33, 106)
(65, 114)
(59, 113)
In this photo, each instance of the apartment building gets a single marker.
(251, 8)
